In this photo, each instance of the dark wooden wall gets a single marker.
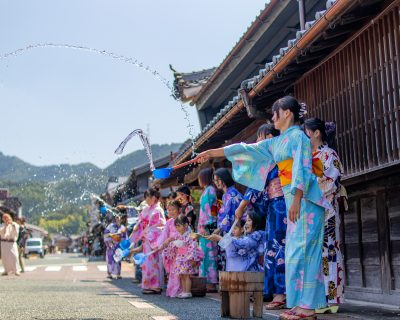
(358, 87)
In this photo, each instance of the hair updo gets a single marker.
(299, 110)
(327, 130)
(154, 192)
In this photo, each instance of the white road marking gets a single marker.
(141, 305)
(30, 268)
(79, 268)
(164, 318)
(102, 268)
(53, 268)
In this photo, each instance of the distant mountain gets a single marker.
(15, 170)
(124, 165)
(57, 191)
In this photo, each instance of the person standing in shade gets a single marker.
(206, 226)
(184, 196)
(322, 136)
(9, 249)
(305, 203)
(231, 199)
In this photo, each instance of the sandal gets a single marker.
(291, 315)
(151, 291)
(276, 305)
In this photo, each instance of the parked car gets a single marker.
(34, 245)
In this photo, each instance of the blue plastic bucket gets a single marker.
(139, 258)
(125, 244)
(162, 173)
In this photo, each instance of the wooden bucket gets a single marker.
(199, 286)
(236, 289)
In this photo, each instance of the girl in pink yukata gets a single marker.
(188, 257)
(169, 251)
(148, 229)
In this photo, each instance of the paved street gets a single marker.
(69, 287)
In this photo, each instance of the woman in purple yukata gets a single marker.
(246, 253)
(114, 233)
(148, 229)
(226, 214)
(322, 136)
(168, 235)
(305, 202)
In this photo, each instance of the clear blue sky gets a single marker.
(65, 106)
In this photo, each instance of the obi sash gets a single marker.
(285, 170)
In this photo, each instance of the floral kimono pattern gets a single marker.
(332, 257)
(251, 165)
(270, 203)
(230, 202)
(274, 258)
(208, 267)
(245, 253)
(188, 252)
(150, 223)
(226, 216)
(168, 258)
(112, 245)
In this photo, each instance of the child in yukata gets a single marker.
(169, 251)
(188, 255)
(246, 253)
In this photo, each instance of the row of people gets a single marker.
(309, 181)
(293, 180)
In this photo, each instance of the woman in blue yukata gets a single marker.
(226, 214)
(305, 203)
(270, 203)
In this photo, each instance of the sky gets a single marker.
(68, 106)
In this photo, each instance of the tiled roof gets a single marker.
(258, 20)
(263, 72)
(193, 80)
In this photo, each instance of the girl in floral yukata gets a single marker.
(207, 224)
(305, 203)
(114, 233)
(169, 234)
(148, 229)
(188, 257)
(246, 253)
(226, 214)
(270, 203)
(322, 136)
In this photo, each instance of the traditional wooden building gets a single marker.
(345, 65)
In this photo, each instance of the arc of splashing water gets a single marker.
(122, 58)
(145, 141)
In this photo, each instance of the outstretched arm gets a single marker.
(209, 154)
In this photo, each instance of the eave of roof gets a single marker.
(259, 21)
(257, 84)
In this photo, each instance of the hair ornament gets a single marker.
(330, 127)
(303, 110)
